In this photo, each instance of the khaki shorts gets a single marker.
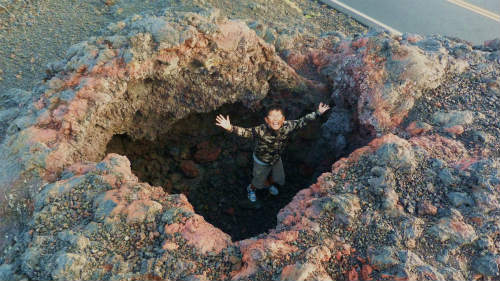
(261, 172)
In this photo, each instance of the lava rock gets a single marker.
(486, 265)
(189, 168)
(458, 199)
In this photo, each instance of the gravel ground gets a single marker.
(35, 33)
(475, 90)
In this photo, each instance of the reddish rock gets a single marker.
(346, 251)
(167, 245)
(413, 38)
(386, 83)
(255, 250)
(189, 168)
(303, 272)
(394, 277)
(287, 236)
(338, 255)
(444, 148)
(456, 130)
(318, 253)
(206, 152)
(352, 275)
(297, 272)
(477, 276)
(464, 164)
(366, 270)
(426, 208)
(477, 220)
(296, 60)
(204, 236)
(142, 211)
(454, 230)
(417, 128)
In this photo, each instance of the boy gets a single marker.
(270, 141)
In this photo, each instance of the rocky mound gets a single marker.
(417, 199)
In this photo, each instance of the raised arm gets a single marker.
(301, 122)
(226, 124)
(244, 132)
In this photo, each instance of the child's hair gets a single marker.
(275, 106)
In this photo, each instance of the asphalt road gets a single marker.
(472, 20)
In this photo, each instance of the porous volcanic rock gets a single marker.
(161, 70)
(82, 215)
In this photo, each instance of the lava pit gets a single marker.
(213, 167)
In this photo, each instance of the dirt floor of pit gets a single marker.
(216, 188)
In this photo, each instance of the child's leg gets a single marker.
(278, 173)
(259, 175)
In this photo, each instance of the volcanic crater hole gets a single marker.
(213, 167)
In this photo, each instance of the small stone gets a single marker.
(486, 265)
(417, 128)
(484, 243)
(426, 208)
(383, 258)
(6, 272)
(189, 168)
(410, 208)
(456, 130)
(366, 270)
(453, 229)
(321, 253)
(168, 245)
(453, 118)
(446, 177)
(297, 272)
(390, 199)
(69, 266)
(410, 243)
(458, 199)
(206, 152)
(443, 256)
(353, 275)
(480, 136)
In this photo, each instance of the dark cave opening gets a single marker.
(213, 167)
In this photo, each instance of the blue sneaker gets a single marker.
(273, 190)
(251, 194)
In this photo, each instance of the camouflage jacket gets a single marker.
(270, 143)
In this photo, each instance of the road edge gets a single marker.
(359, 16)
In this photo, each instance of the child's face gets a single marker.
(275, 119)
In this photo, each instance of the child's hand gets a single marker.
(323, 107)
(224, 123)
